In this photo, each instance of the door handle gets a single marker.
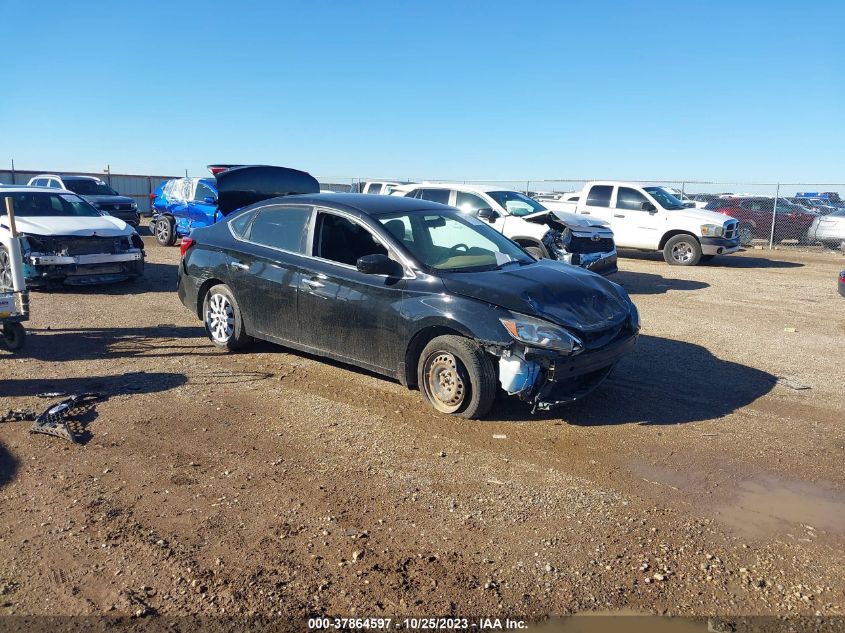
(239, 265)
(314, 283)
(618, 215)
(585, 213)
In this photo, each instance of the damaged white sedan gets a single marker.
(65, 240)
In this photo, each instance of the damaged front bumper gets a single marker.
(594, 251)
(44, 268)
(547, 379)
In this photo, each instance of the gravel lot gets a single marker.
(269, 482)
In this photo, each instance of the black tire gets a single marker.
(682, 250)
(746, 234)
(165, 230)
(220, 303)
(14, 335)
(535, 251)
(706, 258)
(457, 377)
(5, 269)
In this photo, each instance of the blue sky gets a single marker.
(466, 90)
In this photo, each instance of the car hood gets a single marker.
(101, 226)
(571, 220)
(558, 292)
(699, 215)
(108, 199)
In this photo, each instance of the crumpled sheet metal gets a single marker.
(54, 420)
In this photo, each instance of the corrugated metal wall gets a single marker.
(137, 186)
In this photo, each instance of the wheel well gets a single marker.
(672, 234)
(415, 348)
(207, 285)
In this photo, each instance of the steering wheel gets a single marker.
(457, 246)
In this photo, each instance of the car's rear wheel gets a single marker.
(223, 320)
(457, 377)
(165, 231)
(5, 269)
(14, 336)
(682, 250)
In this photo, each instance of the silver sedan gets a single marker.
(828, 229)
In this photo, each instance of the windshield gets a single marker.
(515, 203)
(90, 188)
(666, 200)
(42, 205)
(453, 241)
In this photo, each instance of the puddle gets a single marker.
(767, 505)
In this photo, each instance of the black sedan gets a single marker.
(410, 289)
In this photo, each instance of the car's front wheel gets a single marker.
(5, 269)
(682, 250)
(222, 318)
(457, 377)
(165, 231)
(14, 336)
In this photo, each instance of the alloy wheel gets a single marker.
(682, 252)
(220, 318)
(5, 269)
(163, 230)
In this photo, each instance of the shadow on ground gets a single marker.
(651, 284)
(662, 381)
(162, 340)
(8, 466)
(723, 261)
(122, 384)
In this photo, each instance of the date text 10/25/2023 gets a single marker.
(416, 624)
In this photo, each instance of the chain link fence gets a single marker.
(770, 215)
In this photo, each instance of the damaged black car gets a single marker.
(403, 287)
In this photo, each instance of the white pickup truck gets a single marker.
(650, 219)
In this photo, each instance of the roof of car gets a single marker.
(32, 188)
(460, 186)
(365, 203)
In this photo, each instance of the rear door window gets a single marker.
(599, 196)
(281, 226)
(435, 195)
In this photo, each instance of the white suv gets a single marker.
(573, 239)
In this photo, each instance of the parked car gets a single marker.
(842, 283)
(648, 218)
(687, 201)
(755, 214)
(828, 229)
(94, 191)
(183, 205)
(380, 187)
(66, 240)
(580, 241)
(404, 287)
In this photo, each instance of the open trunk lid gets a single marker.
(243, 185)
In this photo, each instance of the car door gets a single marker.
(183, 191)
(597, 203)
(201, 212)
(471, 202)
(639, 226)
(267, 269)
(345, 313)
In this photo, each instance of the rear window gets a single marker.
(599, 196)
(435, 195)
(282, 227)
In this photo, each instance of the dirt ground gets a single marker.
(268, 482)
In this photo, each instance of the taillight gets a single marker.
(187, 242)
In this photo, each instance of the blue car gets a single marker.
(183, 205)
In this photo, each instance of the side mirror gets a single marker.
(488, 214)
(648, 206)
(379, 265)
(210, 200)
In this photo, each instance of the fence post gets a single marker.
(774, 217)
